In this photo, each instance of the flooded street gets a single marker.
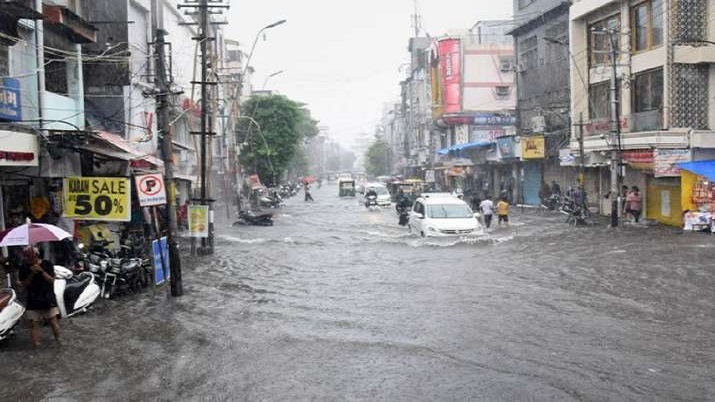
(335, 302)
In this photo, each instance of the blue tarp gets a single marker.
(703, 168)
(462, 147)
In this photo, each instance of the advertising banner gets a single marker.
(97, 198)
(150, 190)
(666, 161)
(160, 250)
(199, 221)
(494, 119)
(450, 60)
(505, 146)
(642, 159)
(533, 147)
(10, 105)
(480, 134)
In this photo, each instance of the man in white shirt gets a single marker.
(487, 208)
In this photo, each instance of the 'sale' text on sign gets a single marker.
(97, 198)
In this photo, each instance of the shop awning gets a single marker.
(702, 168)
(119, 148)
(463, 147)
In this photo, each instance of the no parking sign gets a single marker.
(150, 190)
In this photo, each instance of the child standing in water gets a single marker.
(503, 211)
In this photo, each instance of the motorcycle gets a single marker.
(251, 218)
(552, 202)
(74, 293)
(10, 312)
(371, 202)
(270, 201)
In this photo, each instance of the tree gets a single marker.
(271, 148)
(377, 158)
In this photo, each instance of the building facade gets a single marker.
(665, 73)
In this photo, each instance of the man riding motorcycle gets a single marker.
(370, 194)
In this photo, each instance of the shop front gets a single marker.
(697, 195)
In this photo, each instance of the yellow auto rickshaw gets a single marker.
(346, 188)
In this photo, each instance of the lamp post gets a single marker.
(265, 82)
(253, 48)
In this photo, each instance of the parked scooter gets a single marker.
(270, 201)
(74, 293)
(251, 218)
(10, 312)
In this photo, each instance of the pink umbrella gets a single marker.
(31, 233)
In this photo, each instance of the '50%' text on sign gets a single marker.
(97, 198)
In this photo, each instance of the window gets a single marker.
(599, 43)
(528, 54)
(506, 64)
(449, 211)
(4, 61)
(647, 25)
(419, 208)
(502, 91)
(600, 100)
(55, 74)
(647, 91)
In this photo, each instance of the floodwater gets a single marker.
(337, 303)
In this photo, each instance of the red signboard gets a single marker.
(640, 159)
(450, 59)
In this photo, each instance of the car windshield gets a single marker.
(449, 211)
(379, 190)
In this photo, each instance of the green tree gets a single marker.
(270, 149)
(377, 159)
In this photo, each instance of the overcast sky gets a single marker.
(343, 57)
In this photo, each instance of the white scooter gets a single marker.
(10, 312)
(74, 293)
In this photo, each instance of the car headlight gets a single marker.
(431, 229)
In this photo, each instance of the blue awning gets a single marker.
(702, 168)
(462, 147)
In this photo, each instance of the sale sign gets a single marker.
(150, 190)
(97, 198)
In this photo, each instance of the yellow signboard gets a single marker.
(199, 220)
(97, 198)
(532, 147)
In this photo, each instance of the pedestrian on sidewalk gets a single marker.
(38, 276)
(487, 209)
(503, 211)
(306, 189)
(634, 202)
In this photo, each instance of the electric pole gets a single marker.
(167, 147)
(582, 156)
(615, 131)
(205, 8)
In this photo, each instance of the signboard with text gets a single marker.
(97, 198)
(666, 161)
(199, 221)
(532, 147)
(10, 105)
(150, 190)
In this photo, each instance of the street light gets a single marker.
(265, 82)
(253, 47)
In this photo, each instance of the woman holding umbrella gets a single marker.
(38, 276)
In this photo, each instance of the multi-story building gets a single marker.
(542, 88)
(42, 119)
(416, 109)
(474, 102)
(665, 74)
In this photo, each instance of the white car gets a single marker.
(442, 214)
(383, 196)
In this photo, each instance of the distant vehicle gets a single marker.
(346, 187)
(383, 196)
(442, 214)
(345, 176)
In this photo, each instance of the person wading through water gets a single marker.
(38, 276)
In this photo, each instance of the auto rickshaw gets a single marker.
(412, 188)
(346, 188)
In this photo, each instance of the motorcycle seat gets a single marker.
(5, 297)
(79, 281)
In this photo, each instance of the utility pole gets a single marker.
(162, 99)
(582, 156)
(615, 131)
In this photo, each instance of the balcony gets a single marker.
(77, 29)
(651, 120)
